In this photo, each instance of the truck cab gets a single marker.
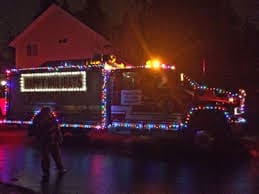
(148, 96)
(160, 98)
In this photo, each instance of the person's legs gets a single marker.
(56, 154)
(45, 160)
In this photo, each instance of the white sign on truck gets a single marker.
(131, 97)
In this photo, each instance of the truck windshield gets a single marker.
(146, 79)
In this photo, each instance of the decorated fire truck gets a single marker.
(105, 95)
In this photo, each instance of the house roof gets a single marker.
(53, 8)
(63, 62)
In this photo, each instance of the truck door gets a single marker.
(145, 95)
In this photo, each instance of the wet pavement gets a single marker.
(99, 169)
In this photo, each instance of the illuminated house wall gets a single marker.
(56, 35)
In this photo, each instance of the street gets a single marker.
(106, 170)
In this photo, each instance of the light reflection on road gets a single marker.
(100, 171)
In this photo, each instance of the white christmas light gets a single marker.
(53, 74)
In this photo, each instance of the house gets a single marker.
(56, 35)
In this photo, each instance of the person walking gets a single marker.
(50, 138)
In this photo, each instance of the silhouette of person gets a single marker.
(50, 137)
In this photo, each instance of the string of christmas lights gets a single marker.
(196, 86)
(146, 125)
(197, 108)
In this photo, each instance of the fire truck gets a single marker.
(105, 95)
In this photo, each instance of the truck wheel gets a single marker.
(203, 139)
(208, 129)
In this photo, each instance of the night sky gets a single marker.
(16, 14)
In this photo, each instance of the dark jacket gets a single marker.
(46, 129)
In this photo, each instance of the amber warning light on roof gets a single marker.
(156, 64)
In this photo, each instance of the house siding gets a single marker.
(58, 36)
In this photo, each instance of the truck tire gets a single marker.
(208, 129)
